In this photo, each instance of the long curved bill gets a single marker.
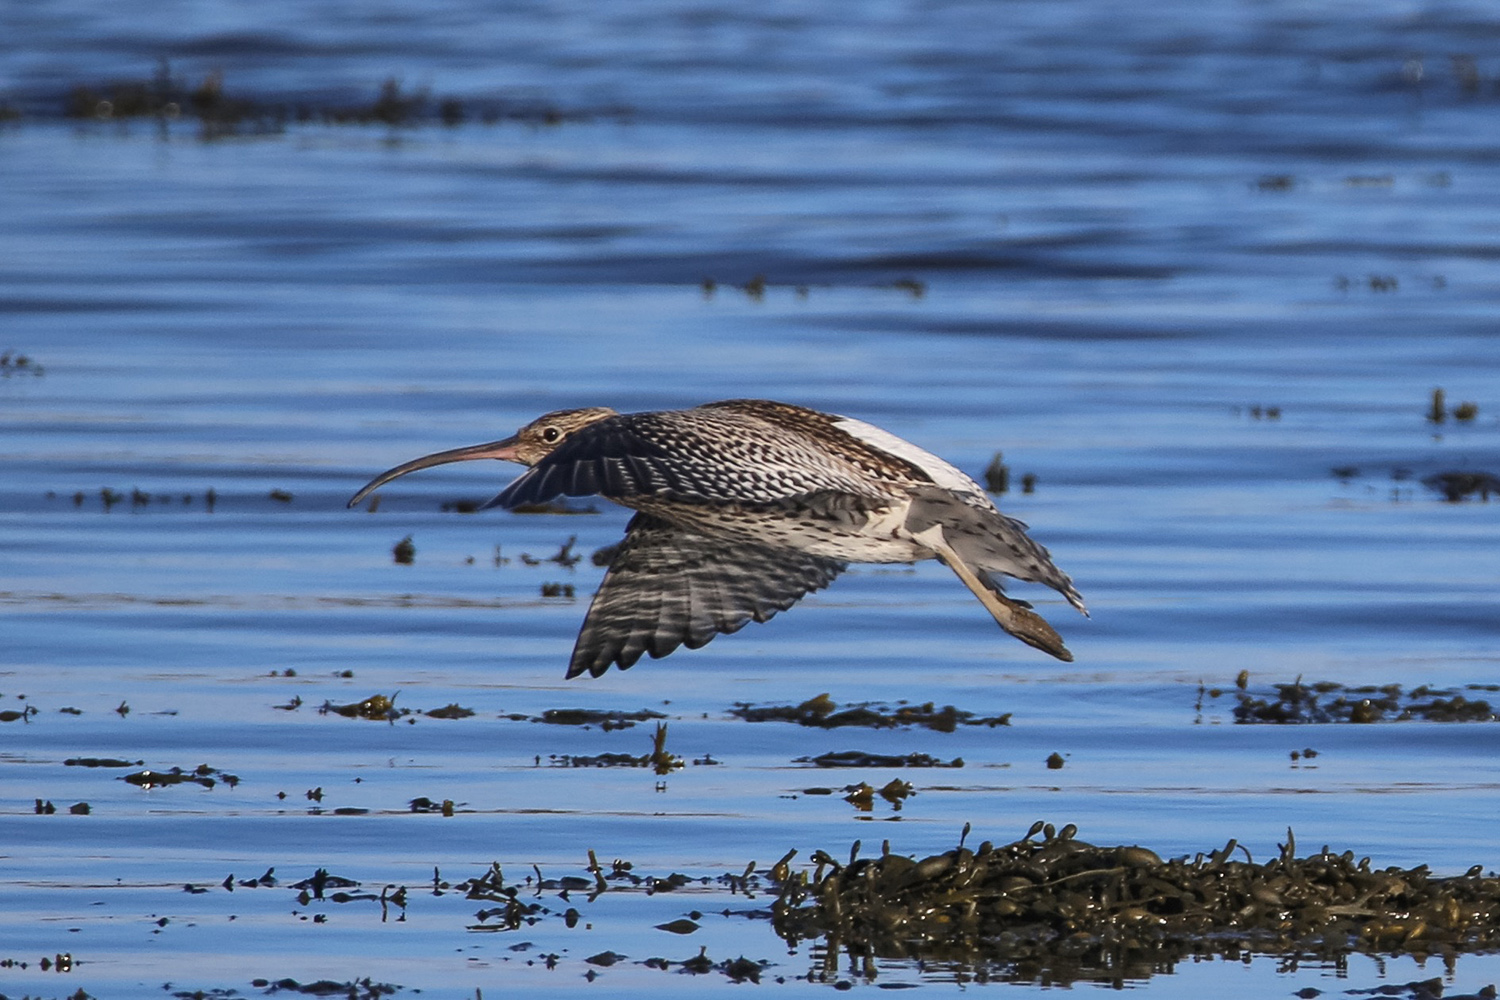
(502, 450)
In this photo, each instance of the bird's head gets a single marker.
(528, 446)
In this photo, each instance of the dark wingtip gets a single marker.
(579, 665)
(592, 669)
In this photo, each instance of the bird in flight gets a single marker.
(745, 505)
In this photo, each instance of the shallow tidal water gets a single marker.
(1198, 273)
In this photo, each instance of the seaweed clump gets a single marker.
(16, 363)
(1326, 701)
(1055, 909)
(606, 719)
(360, 989)
(659, 760)
(859, 758)
(201, 775)
(376, 707)
(1456, 487)
(822, 712)
(166, 97)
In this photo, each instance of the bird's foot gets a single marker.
(1031, 628)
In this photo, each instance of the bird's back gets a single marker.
(742, 452)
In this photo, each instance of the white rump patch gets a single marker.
(941, 473)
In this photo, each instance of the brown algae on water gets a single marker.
(377, 706)
(1047, 908)
(1054, 909)
(823, 713)
(220, 113)
(1327, 701)
(858, 758)
(659, 760)
(382, 708)
(1460, 485)
(604, 719)
(201, 775)
(452, 710)
(14, 362)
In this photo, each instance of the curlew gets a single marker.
(745, 505)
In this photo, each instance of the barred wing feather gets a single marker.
(668, 587)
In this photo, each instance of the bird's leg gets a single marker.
(1013, 616)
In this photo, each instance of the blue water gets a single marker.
(1100, 241)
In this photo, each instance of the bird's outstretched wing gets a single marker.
(668, 587)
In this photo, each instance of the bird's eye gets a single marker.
(551, 434)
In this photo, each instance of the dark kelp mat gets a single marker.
(1054, 909)
(1330, 702)
(822, 712)
(1047, 908)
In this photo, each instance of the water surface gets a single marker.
(1180, 268)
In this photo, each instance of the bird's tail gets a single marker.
(990, 541)
(1016, 617)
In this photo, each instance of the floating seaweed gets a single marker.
(605, 719)
(822, 712)
(16, 363)
(139, 498)
(358, 989)
(422, 804)
(681, 925)
(1048, 908)
(1437, 410)
(166, 98)
(377, 706)
(862, 795)
(565, 556)
(600, 760)
(739, 970)
(1459, 486)
(450, 711)
(1056, 910)
(858, 758)
(200, 775)
(1326, 701)
(911, 286)
(658, 759)
(997, 475)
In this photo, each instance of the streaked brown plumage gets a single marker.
(745, 505)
